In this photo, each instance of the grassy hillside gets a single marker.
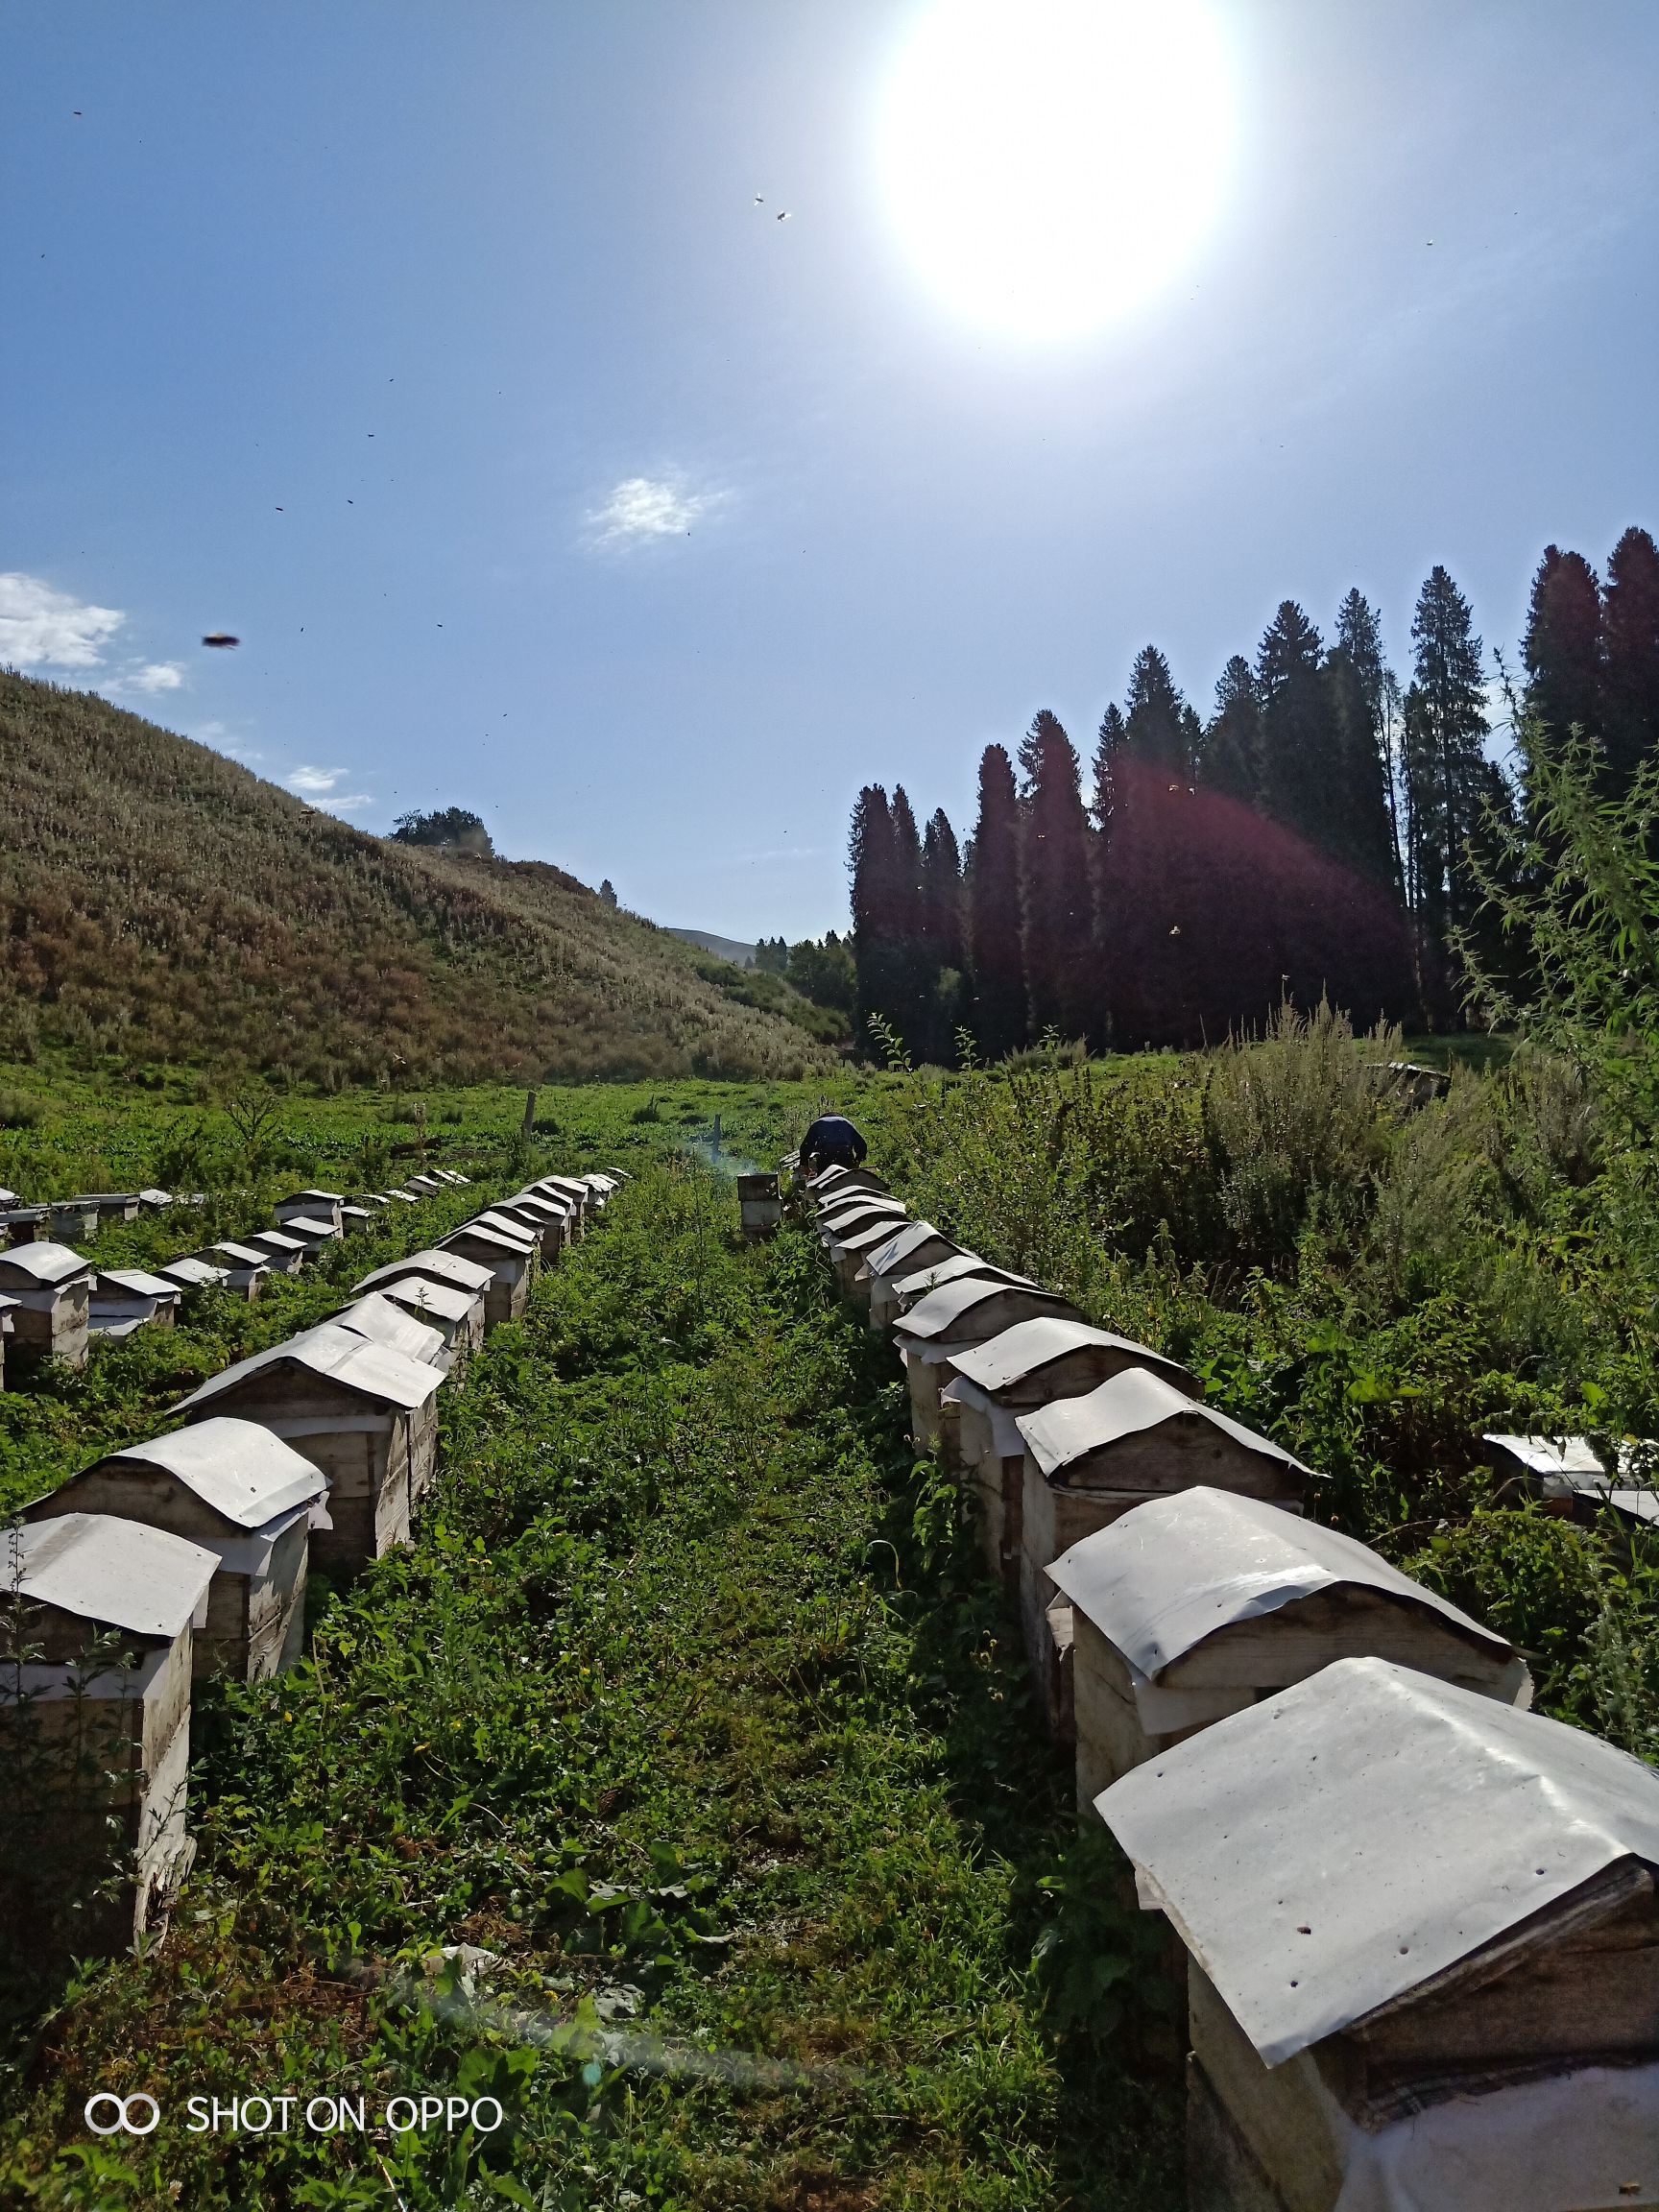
(163, 905)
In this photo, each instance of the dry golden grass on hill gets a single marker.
(163, 905)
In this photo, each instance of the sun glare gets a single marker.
(1049, 164)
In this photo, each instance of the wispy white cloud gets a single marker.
(644, 508)
(156, 676)
(318, 784)
(40, 627)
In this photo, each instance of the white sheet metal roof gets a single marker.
(312, 1229)
(277, 1239)
(1030, 1346)
(194, 1273)
(240, 1255)
(505, 1225)
(1568, 1456)
(377, 1317)
(889, 1258)
(1345, 1840)
(29, 1264)
(493, 1239)
(134, 1283)
(327, 1197)
(838, 1221)
(101, 1569)
(420, 1295)
(239, 1468)
(440, 1266)
(960, 1265)
(1172, 1572)
(1136, 1400)
(869, 1236)
(951, 1308)
(339, 1356)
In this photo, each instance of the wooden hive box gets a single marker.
(113, 1205)
(103, 1748)
(849, 1247)
(573, 1189)
(310, 1206)
(1567, 1476)
(837, 1182)
(1193, 1607)
(247, 1269)
(355, 1219)
(383, 1321)
(459, 1314)
(912, 1247)
(315, 1233)
(52, 1287)
(242, 1494)
(434, 1267)
(603, 1186)
(759, 1207)
(127, 1298)
(509, 1261)
(191, 1272)
(364, 1415)
(1089, 1458)
(544, 1218)
(286, 1253)
(991, 1384)
(73, 1220)
(425, 1186)
(8, 1308)
(1424, 1950)
(953, 1320)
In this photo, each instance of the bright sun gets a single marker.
(1051, 164)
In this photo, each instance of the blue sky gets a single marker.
(442, 354)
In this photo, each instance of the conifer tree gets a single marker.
(1358, 679)
(1108, 750)
(942, 935)
(1056, 887)
(1299, 738)
(1563, 650)
(1445, 765)
(1157, 721)
(1631, 631)
(1231, 759)
(873, 862)
(994, 960)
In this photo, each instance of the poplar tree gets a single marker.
(1630, 629)
(1446, 768)
(995, 961)
(1056, 890)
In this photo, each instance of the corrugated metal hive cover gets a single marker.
(338, 1355)
(238, 1468)
(100, 1569)
(1127, 1406)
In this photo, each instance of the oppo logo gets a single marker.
(122, 2115)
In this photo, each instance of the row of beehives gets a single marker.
(54, 1300)
(1415, 1920)
(190, 1554)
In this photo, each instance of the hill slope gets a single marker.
(161, 904)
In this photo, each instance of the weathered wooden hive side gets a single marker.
(124, 1299)
(110, 1749)
(1193, 1607)
(363, 1414)
(509, 1259)
(759, 1207)
(1033, 1363)
(53, 1286)
(240, 1492)
(953, 1318)
(1424, 1949)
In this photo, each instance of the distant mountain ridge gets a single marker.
(163, 905)
(731, 949)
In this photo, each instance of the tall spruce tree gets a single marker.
(1300, 742)
(872, 859)
(1056, 883)
(1358, 679)
(1446, 769)
(1563, 649)
(1157, 721)
(996, 961)
(942, 933)
(1231, 759)
(1631, 627)
(1108, 751)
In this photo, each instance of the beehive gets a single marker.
(364, 1414)
(286, 1253)
(377, 1318)
(951, 1319)
(849, 1249)
(52, 1287)
(435, 1266)
(193, 1273)
(1033, 1363)
(1091, 1458)
(242, 1494)
(246, 1268)
(1424, 1950)
(1567, 1475)
(912, 1246)
(310, 1206)
(124, 1299)
(102, 1749)
(1195, 1605)
(459, 1314)
(509, 1261)
(760, 1206)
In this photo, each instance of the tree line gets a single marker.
(1325, 831)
